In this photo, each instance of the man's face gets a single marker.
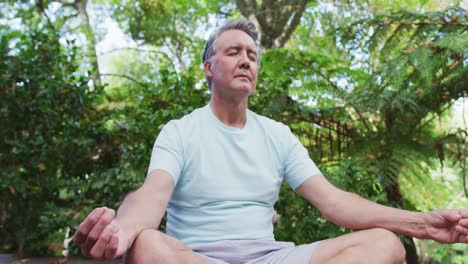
(233, 69)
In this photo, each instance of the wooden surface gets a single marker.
(8, 259)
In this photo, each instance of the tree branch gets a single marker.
(179, 46)
(142, 50)
(40, 5)
(432, 118)
(293, 25)
(336, 88)
(70, 16)
(65, 3)
(243, 8)
(124, 76)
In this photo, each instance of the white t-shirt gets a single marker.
(227, 179)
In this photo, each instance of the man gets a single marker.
(218, 172)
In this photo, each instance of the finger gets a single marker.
(451, 215)
(99, 247)
(112, 247)
(463, 213)
(463, 239)
(462, 230)
(86, 226)
(85, 252)
(93, 236)
(463, 223)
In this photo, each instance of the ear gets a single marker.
(207, 68)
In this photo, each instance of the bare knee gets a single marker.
(150, 246)
(367, 246)
(388, 242)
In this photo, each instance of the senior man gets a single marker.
(218, 172)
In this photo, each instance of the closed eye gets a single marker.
(232, 51)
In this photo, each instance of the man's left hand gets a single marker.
(447, 226)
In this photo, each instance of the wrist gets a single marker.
(129, 231)
(420, 226)
(408, 223)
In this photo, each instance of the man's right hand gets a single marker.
(99, 236)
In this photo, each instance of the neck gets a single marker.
(230, 112)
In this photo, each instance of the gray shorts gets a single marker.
(255, 251)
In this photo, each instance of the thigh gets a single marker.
(370, 240)
(152, 246)
(301, 254)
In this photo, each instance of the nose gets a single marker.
(244, 62)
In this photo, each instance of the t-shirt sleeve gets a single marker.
(167, 152)
(298, 165)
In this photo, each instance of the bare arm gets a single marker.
(145, 207)
(102, 235)
(352, 211)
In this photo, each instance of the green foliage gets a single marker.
(423, 74)
(444, 254)
(175, 25)
(361, 90)
(48, 135)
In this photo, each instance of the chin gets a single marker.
(246, 88)
(247, 91)
(242, 89)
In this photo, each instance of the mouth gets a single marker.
(243, 76)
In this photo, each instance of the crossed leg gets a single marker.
(152, 246)
(368, 246)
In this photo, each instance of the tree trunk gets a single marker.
(276, 20)
(394, 195)
(20, 242)
(80, 6)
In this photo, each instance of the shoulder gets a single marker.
(269, 124)
(188, 121)
(178, 132)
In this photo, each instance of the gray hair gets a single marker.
(239, 24)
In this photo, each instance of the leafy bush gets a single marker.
(50, 133)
